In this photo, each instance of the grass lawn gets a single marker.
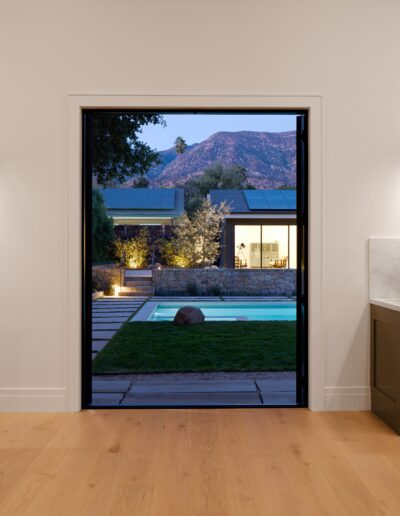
(163, 347)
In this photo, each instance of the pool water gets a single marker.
(226, 311)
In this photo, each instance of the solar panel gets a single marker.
(270, 199)
(139, 198)
(290, 196)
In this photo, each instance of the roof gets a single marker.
(144, 202)
(256, 201)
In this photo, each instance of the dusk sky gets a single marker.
(196, 128)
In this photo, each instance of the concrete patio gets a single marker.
(181, 390)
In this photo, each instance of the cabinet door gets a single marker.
(385, 365)
(387, 359)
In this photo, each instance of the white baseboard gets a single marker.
(347, 398)
(33, 399)
(55, 399)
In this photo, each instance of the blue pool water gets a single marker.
(227, 311)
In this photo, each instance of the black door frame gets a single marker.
(302, 190)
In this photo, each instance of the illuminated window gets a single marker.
(265, 247)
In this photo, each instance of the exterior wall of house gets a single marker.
(243, 282)
(345, 51)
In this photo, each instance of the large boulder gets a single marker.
(189, 315)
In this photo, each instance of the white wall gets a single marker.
(347, 51)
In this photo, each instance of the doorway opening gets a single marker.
(195, 258)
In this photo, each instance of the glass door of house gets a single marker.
(194, 258)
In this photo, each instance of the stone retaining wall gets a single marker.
(105, 276)
(243, 282)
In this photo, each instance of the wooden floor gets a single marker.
(198, 462)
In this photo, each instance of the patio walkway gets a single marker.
(181, 391)
(108, 315)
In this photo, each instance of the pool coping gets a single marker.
(145, 313)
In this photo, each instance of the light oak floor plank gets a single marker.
(213, 462)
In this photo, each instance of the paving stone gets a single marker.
(109, 319)
(129, 301)
(201, 386)
(120, 386)
(279, 398)
(98, 345)
(116, 307)
(106, 326)
(101, 335)
(119, 299)
(122, 303)
(106, 397)
(111, 313)
(115, 310)
(191, 399)
(276, 385)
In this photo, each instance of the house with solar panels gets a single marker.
(133, 208)
(260, 230)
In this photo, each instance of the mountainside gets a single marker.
(270, 159)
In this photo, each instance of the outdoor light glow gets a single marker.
(117, 289)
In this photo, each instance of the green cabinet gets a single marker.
(385, 365)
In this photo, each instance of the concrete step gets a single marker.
(135, 294)
(135, 283)
(134, 273)
(136, 291)
(147, 288)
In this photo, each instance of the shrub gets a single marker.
(135, 252)
(170, 254)
(192, 288)
(215, 290)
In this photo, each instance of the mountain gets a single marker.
(270, 159)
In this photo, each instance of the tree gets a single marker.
(197, 241)
(117, 152)
(180, 145)
(141, 182)
(215, 177)
(102, 230)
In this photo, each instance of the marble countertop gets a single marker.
(393, 303)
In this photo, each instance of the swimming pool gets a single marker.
(221, 310)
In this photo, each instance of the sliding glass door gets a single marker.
(194, 258)
(265, 246)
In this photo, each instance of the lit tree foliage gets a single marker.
(196, 240)
(134, 253)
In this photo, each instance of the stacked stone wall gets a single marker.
(243, 282)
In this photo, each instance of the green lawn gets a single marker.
(162, 347)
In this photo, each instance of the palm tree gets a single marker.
(180, 145)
